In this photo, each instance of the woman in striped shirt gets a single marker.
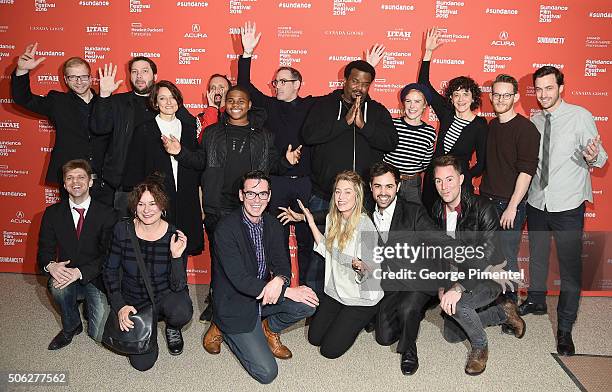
(461, 132)
(416, 141)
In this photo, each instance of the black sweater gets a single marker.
(285, 119)
(334, 145)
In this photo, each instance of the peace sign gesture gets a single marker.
(28, 61)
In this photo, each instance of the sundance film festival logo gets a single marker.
(187, 56)
(20, 218)
(540, 65)
(95, 53)
(288, 57)
(444, 9)
(192, 4)
(342, 8)
(344, 59)
(137, 6)
(399, 35)
(493, 64)
(397, 7)
(548, 13)
(238, 6)
(94, 3)
(449, 61)
(12, 238)
(52, 195)
(155, 55)
(4, 50)
(503, 40)
(196, 32)
(139, 30)
(43, 5)
(50, 53)
(593, 68)
(97, 29)
(392, 59)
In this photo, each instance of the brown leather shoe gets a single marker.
(213, 339)
(477, 361)
(514, 320)
(279, 350)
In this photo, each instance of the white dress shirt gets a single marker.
(171, 128)
(75, 213)
(382, 220)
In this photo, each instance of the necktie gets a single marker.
(545, 153)
(79, 226)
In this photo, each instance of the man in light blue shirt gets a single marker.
(570, 146)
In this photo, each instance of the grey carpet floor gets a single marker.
(29, 323)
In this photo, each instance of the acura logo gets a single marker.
(503, 35)
(195, 28)
(20, 215)
(444, 84)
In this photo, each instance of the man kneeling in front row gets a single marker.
(250, 283)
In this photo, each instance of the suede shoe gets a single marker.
(213, 339)
(477, 361)
(530, 307)
(279, 350)
(513, 319)
(63, 338)
(409, 363)
(174, 340)
(565, 344)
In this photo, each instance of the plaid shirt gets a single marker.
(256, 235)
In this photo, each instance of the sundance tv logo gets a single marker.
(503, 40)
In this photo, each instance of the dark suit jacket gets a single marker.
(235, 284)
(57, 240)
(412, 225)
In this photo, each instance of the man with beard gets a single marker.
(512, 158)
(571, 146)
(69, 113)
(119, 114)
(346, 130)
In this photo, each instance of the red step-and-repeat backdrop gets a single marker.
(189, 40)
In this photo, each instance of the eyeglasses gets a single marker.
(250, 195)
(80, 78)
(505, 96)
(282, 82)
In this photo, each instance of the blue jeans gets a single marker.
(67, 300)
(510, 239)
(251, 348)
(472, 315)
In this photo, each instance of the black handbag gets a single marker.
(143, 337)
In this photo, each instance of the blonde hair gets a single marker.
(342, 230)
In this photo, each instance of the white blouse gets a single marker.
(171, 128)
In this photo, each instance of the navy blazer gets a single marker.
(235, 284)
(57, 240)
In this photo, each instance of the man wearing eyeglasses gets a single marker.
(512, 158)
(250, 283)
(286, 114)
(69, 113)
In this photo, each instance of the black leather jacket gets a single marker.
(212, 154)
(478, 226)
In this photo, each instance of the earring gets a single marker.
(163, 213)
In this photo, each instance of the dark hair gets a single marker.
(447, 160)
(464, 83)
(503, 78)
(74, 61)
(255, 175)
(294, 72)
(143, 58)
(76, 164)
(548, 70)
(359, 65)
(229, 84)
(380, 168)
(176, 93)
(239, 88)
(155, 185)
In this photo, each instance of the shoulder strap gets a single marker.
(141, 265)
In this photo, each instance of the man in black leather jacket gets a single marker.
(473, 221)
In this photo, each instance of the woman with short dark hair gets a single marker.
(147, 155)
(163, 250)
(461, 131)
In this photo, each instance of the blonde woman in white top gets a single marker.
(351, 294)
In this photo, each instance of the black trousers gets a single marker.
(176, 309)
(566, 227)
(335, 327)
(399, 318)
(285, 192)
